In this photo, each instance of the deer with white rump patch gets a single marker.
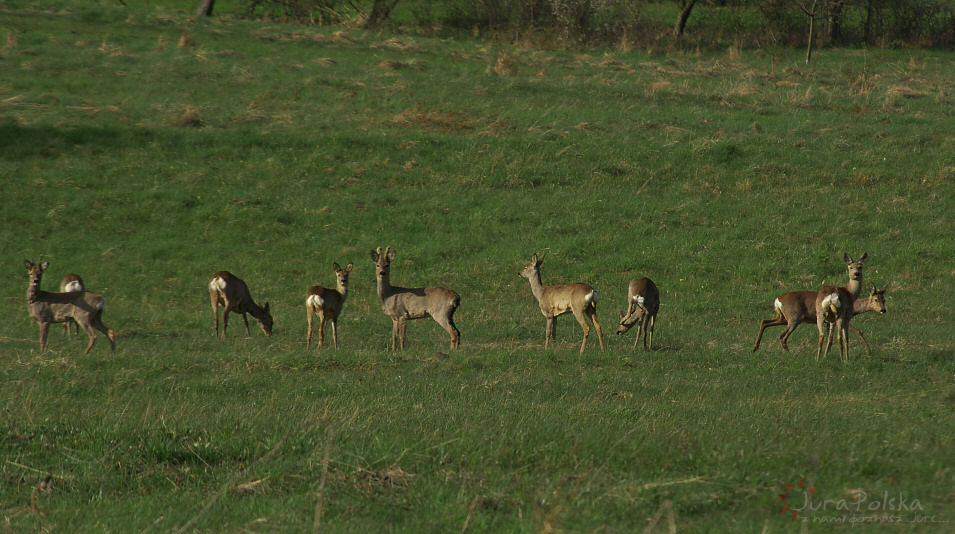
(643, 301)
(578, 298)
(401, 304)
(327, 303)
(46, 308)
(874, 302)
(226, 289)
(797, 307)
(72, 283)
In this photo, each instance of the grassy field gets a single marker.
(145, 150)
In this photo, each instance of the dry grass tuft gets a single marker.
(190, 118)
(386, 480)
(447, 121)
(248, 488)
(325, 62)
(11, 42)
(905, 92)
(505, 65)
(186, 41)
(397, 44)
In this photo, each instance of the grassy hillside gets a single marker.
(145, 150)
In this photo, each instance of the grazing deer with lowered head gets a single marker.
(46, 308)
(578, 298)
(797, 307)
(72, 283)
(226, 289)
(327, 303)
(402, 304)
(643, 301)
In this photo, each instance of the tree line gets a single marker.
(880, 23)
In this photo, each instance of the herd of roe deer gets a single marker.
(831, 307)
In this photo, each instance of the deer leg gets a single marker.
(777, 321)
(447, 323)
(592, 312)
(549, 330)
(790, 328)
(402, 323)
(97, 323)
(311, 314)
(321, 328)
(225, 320)
(844, 339)
(832, 333)
(215, 311)
(821, 325)
(583, 324)
(868, 351)
(88, 328)
(248, 332)
(650, 342)
(335, 331)
(394, 334)
(44, 329)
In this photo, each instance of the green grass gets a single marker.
(273, 151)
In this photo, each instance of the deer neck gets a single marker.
(343, 291)
(255, 310)
(860, 306)
(537, 288)
(854, 287)
(384, 287)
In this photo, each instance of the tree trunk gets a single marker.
(685, 9)
(205, 9)
(812, 23)
(379, 12)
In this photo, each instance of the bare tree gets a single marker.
(380, 10)
(686, 6)
(205, 8)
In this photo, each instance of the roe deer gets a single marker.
(84, 307)
(834, 310)
(797, 307)
(226, 289)
(643, 301)
(327, 303)
(874, 302)
(72, 283)
(402, 304)
(579, 298)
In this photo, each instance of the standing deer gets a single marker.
(72, 283)
(84, 307)
(874, 302)
(226, 289)
(402, 304)
(579, 298)
(797, 307)
(834, 309)
(643, 301)
(327, 303)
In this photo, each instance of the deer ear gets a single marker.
(391, 255)
(846, 257)
(622, 314)
(374, 255)
(540, 260)
(44, 265)
(336, 267)
(28, 263)
(886, 286)
(266, 307)
(871, 288)
(864, 256)
(349, 268)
